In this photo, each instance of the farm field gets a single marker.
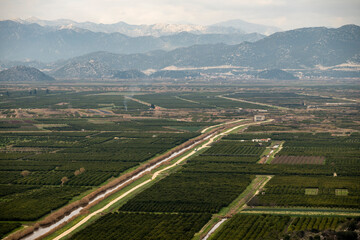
(298, 160)
(57, 146)
(47, 162)
(290, 187)
(284, 99)
(192, 192)
(310, 191)
(144, 226)
(338, 151)
(243, 226)
(70, 159)
(64, 99)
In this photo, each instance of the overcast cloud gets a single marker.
(286, 14)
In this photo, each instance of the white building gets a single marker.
(258, 118)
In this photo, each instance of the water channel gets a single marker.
(43, 230)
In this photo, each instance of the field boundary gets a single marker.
(256, 103)
(143, 102)
(302, 212)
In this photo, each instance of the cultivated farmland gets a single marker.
(298, 160)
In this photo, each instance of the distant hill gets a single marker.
(305, 48)
(276, 74)
(48, 43)
(88, 69)
(24, 74)
(174, 74)
(129, 74)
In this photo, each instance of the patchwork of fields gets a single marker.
(186, 192)
(79, 141)
(243, 226)
(213, 179)
(42, 171)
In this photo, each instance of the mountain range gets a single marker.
(304, 48)
(90, 54)
(160, 29)
(20, 41)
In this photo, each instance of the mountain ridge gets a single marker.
(34, 42)
(158, 29)
(304, 48)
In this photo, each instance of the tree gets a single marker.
(80, 171)
(64, 180)
(25, 173)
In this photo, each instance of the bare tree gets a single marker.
(25, 173)
(64, 180)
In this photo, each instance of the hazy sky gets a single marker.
(286, 14)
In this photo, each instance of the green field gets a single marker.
(57, 146)
(243, 226)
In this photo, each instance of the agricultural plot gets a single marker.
(318, 223)
(43, 171)
(169, 100)
(341, 192)
(283, 99)
(8, 227)
(262, 169)
(243, 226)
(32, 204)
(234, 148)
(341, 152)
(98, 124)
(311, 191)
(213, 100)
(139, 226)
(193, 192)
(272, 127)
(113, 154)
(134, 125)
(233, 152)
(61, 100)
(252, 227)
(298, 160)
(308, 191)
(189, 192)
(64, 156)
(195, 100)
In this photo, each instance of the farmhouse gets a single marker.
(258, 118)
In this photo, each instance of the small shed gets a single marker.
(258, 118)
